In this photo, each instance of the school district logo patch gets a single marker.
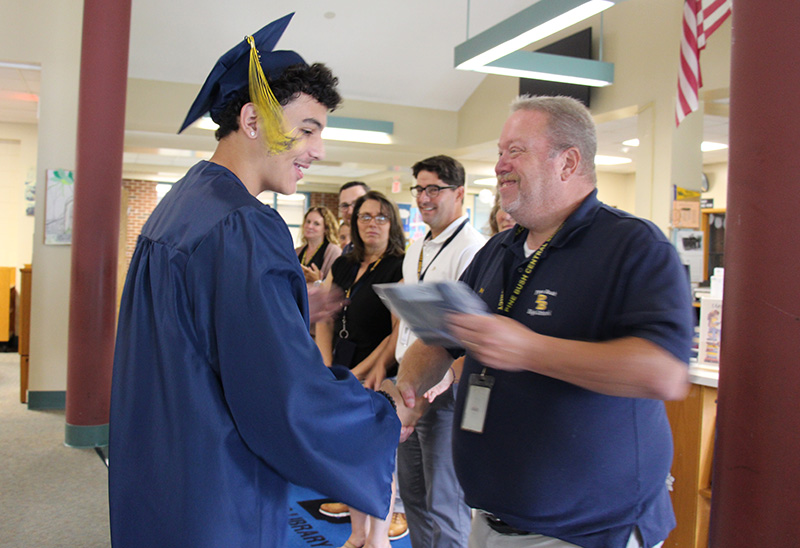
(542, 305)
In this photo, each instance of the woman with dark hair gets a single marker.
(320, 240)
(356, 334)
(362, 333)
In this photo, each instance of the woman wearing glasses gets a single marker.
(361, 336)
(320, 244)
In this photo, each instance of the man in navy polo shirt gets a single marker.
(560, 435)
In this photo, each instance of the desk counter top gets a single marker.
(703, 374)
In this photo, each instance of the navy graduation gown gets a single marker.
(219, 395)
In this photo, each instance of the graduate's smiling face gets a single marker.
(306, 117)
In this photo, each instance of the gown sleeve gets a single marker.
(315, 426)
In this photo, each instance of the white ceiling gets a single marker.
(364, 42)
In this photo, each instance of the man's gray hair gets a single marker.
(569, 125)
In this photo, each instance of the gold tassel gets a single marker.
(269, 110)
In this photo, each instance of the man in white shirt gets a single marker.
(434, 502)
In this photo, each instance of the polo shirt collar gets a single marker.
(575, 223)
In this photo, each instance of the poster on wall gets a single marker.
(59, 194)
(30, 192)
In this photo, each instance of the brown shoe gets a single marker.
(399, 526)
(334, 509)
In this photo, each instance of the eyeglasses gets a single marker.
(366, 218)
(345, 206)
(431, 190)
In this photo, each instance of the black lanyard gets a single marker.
(421, 273)
(505, 308)
(315, 258)
(343, 333)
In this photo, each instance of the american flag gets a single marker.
(700, 19)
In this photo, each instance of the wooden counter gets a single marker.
(693, 425)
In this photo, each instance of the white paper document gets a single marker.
(423, 307)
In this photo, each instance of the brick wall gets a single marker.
(326, 199)
(142, 199)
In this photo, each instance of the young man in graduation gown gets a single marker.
(220, 397)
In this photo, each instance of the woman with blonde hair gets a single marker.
(499, 220)
(320, 239)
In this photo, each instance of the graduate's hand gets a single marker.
(311, 273)
(408, 417)
(324, 303)
(495, 341)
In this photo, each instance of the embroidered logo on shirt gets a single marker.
(543, 299)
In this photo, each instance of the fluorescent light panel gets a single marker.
(708, 146)
(340, 128)
(356, 136)
(705, 146)
(358, 130)
(495, 50)
(554, 68)
(601, 160)
(538, 21)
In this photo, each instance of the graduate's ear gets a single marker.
(248, 120)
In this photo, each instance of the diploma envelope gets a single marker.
(423, 307)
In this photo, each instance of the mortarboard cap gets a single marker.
(232, 71)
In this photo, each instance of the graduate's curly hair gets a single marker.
(397, 238)
(315, 80)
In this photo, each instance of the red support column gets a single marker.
(95, 232)
(756, 481)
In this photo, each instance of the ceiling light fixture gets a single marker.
(488, 181)
(708, 146)
(601, 160)
(340, 128)
(705, 146)
(358, 130)
(495, 50)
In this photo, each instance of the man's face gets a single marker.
(347, 198)
(527, 179)
(306, 117)
(442, 210)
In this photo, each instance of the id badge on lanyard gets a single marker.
(477, 402)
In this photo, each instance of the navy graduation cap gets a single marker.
(247, 64)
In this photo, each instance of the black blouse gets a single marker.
(368, 321)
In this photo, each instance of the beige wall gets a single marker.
(617, 190)
(48, 32)
(717, 184)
